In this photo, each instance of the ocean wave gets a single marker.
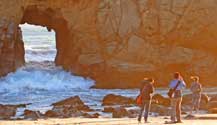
(42, 76)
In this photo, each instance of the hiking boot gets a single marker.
(139, 120)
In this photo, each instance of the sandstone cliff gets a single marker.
(118, 42)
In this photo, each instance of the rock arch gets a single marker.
(118, 42)
(52, 20)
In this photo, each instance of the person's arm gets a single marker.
(191, 88)
(151, 89)
(183, 84)
(200, 87)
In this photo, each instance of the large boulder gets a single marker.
(33, 115)
(133, 113)
(187, 99)
(213, 110)
(108, 109)
(72, 102)
(112, 99)
(7, 111)
(212, 104)
(51, 114)
(70, 107)
(160, 109)
(213, 97)
(161, 100)
(87, 115)
(119, 112)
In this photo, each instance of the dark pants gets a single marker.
(145, 106)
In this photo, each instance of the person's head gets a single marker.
(177, 75)
(195, 78)
(149, 80)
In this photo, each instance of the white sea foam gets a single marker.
(44, 77)
(40, 73)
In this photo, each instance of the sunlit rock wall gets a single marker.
(118, 42)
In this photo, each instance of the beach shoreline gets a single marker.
(207, 119)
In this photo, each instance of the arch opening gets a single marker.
(39, 43)
(53, 21)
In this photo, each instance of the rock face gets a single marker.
(11, 47)
(118, 42)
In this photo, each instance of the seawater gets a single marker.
(41, 83)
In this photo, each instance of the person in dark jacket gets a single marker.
(146, 91)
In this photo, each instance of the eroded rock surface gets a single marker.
(70, 107)
(112, 99)
(118, 42)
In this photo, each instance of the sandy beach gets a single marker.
(208, 119)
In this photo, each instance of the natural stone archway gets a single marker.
(50, 19)
(118, 42)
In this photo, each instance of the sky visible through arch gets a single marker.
(40, 45)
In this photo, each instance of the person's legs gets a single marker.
(173, 109)
(141, 111)
(178, 109)
(193, 103)
(147, 108)
(197, 105)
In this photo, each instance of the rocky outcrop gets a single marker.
(161, 100)
(70, 107)
(8, 111)
(112, 99)
(118, 42)
(32, 115)
(187, 100)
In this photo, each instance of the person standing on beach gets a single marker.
(146, 91)
(176, 99)
(196, 89)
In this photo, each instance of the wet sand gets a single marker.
(206, 120)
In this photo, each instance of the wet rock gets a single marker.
(161, 100)
(133, 113)
(70, 107)
(213, 110)
(112, 99)
(212, 104)
(33, 115)
(160, 109)
(95, 115)
(108, 109)
(7, 111)
(119, 112)
(51, 114)
(213, 97)
(187, 99)
(72, 102)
